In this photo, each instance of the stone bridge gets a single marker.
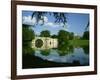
(44, 43)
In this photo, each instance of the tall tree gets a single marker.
(27, 36)
(86, 35)
(63, 36)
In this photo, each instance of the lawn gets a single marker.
(79, 42)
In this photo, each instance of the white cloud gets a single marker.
(32, 21)
(45, 19)
(40, 22)
(29, 20)
(55, 25)
(49, 24)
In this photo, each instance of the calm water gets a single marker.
(54, 55)
(67, 56)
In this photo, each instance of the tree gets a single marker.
(63, 37)
(54, 36)
(28, 35)
(71, 35)
(86, 32)
(59, 17)
(45, 33)
(86, 35)
(87, 26)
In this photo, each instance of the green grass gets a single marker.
(79, 42)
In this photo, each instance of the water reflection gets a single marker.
(86, 49)
(64, 53)
(77, 56)
(64, 49)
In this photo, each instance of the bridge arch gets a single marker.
(47, 43)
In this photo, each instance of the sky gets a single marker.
(76, 23)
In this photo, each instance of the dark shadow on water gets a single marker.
(86, 49)
(31, 61)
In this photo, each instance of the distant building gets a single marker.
(76, 36)
(46, 43)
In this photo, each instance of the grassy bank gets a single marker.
(79, 42)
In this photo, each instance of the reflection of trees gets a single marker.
(28, 50)
(63, 43)
(86, 49)
(64, 49)
(45, 52)
(76, 62)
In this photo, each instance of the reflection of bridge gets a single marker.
(47, 43)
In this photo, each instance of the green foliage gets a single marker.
(45, 33)
(39, 16)
(71, 35)
(28, 35)
(54, 36)
(86, 49)
(45, 52)
(64, 49)
(27, 50)
(63, 37)
(87, 26)
(86, 35)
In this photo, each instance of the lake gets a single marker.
(62, 56)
